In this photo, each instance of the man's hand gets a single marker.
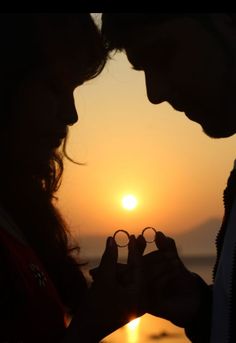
(174, 293)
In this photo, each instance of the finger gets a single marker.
(131, 250)
(141, 244)
(134, 252)
(94, 272)
(109, 258)
(165, 243)
(135, 263)
(110, 254)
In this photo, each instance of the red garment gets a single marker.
(31, 310)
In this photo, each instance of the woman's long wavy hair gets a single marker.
(32, 205)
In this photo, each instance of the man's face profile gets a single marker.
(186, 65)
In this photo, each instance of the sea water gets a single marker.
(149, 329)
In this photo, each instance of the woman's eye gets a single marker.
(56, 89)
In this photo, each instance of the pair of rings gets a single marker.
(121, 237)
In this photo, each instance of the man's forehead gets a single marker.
(161, 34)
(149, 34)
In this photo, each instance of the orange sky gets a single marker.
(176, 172)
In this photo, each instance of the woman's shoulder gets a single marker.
(8, 227)
(7, 284)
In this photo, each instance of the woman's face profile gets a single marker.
(43, 102)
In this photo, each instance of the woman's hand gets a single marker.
(116, 294)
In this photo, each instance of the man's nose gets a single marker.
(158, 88)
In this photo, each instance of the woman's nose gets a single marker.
(158, 88)
(72, 115)
(69, 113)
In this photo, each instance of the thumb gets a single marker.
(141, 244)
(109, 258)
(165, 244)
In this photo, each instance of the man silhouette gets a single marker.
(188, 60)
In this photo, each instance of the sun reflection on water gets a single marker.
(147, 329)
(132, 329)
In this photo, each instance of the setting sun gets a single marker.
(129, 202)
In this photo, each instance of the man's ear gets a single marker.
(225, 24)
(221, 18)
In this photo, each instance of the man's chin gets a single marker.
(217, 133)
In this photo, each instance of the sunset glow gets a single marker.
(131, 147)
(142, 165)
(129, 202)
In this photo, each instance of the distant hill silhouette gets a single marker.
(200, 240)
(197, 241)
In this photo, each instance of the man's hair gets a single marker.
(116, 26)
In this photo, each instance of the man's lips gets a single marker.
(177, 106)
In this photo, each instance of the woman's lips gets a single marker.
(55, 138)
